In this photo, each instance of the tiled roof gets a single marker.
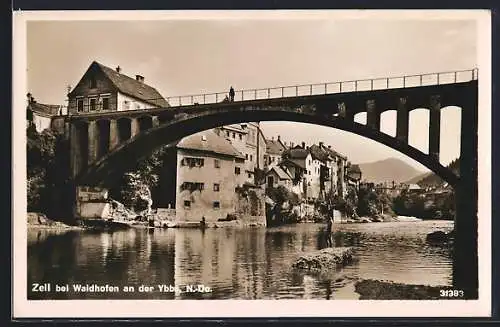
(335, 153)
(208, 141)
(319, 153)
(274, 147)
(296, 153)
(130, 86)
(282, 174)
(301, 163)
(44, 109)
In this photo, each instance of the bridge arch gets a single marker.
(119, 161)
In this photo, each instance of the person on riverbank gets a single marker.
(231, 94)
(328, 232)
(203, 223)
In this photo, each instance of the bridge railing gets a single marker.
(309, 89)
(328, 88)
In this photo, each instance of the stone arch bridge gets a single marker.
(103, 145)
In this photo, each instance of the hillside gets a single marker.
(431, 179)
(388, 170)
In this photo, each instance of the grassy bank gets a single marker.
(378, 290)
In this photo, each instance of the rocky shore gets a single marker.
(38, 220)
(370, 289)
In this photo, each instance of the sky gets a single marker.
(194, 56)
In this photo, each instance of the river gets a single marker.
(252, 263)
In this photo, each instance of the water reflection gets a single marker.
(235, 263)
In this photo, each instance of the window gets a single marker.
(216, 187)
(246, 156)
(216, 204)
(79, 105)
(187, 204)
(227, 133)
(192, 186)
(234, 135)
(105, 103)
(92, 104)
(251, 157)
(193, 162)
(309, 172)
(216, 163)
(249, 175)
(93, 83)
(309, 162)
(241, 137)
(237, 170)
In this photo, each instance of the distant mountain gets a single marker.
(388, 170)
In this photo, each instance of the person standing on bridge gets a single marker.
(231, 94)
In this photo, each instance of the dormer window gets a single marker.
(93, 83)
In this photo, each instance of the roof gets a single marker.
(210, 142)
(282, 174)
(296, 153)
(236, 128)
(274, 147)
(44, 109)
(334, 153)
(131, 86)
(414, 187)
(319, 153)
(296, 162)
(354, 169)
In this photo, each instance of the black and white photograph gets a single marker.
(231, 157)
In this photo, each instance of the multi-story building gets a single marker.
(249, 140)
(105, 89)
(354, 175)
(274, 152)
(208, 171)
(299, 160)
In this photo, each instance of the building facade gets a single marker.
(249, 140)
(105, 89)
(274, 152)
(208, 173)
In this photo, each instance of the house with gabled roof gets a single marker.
(41, 115)
(105, 89)
(274, 151)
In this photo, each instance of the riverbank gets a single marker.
(36, 220)
(370, 289)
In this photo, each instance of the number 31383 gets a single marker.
(451, 293)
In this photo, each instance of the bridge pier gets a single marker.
(134, 127)
(93, 141)
(402, 120)
(434, 126)
(465, 252)
(372, 115)
(114, 136)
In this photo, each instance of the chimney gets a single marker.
(279, 138)
(118, 69)
(303, 145)
(320, 144)
(291, 144)
(139, 78)
(203, 138)
(30, 98)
